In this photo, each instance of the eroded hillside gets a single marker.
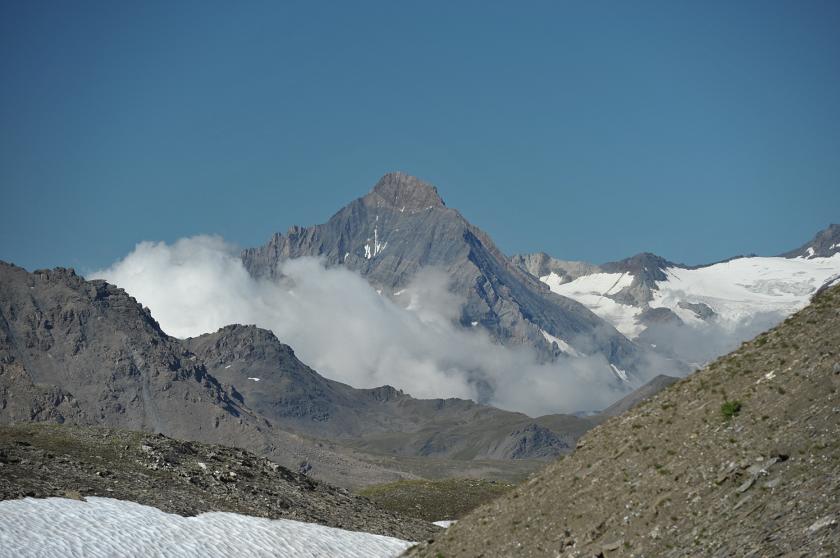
(740, 459)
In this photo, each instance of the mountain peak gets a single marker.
(825, 244)
(405, 192)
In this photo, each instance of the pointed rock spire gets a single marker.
(405, 193)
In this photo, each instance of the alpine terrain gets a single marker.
(739, 459)
(85, 353)
(402, 226)
(694, 313)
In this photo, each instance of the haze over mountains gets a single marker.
(86, 353)
(406, 292)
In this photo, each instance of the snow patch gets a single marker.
(254, 379)
(228, 366)
(622, 374)
(735, 290)
(378, 247)
(563, 346)
(591, 291)
(741, 288)
(104, 527)
(445, 523)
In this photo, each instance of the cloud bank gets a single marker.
(338, 324)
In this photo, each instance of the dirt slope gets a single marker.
(740, 459)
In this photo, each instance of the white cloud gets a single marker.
(338, 324)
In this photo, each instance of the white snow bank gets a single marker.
(735, 290)
(591, 291)
(445, 523)
(104, 527)
(744, 287)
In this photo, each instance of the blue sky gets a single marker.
(589, 130)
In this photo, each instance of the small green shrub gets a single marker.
(730, 408)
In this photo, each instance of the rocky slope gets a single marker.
(402, 226)
(739, 459)
(84, 352)
(268, 378)
(187, 478)
(825, 244)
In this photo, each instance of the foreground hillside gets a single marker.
(184, 478)
(740, 459)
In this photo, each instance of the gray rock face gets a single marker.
(269, 379)
(84, 352)
(541, 264)
(825, 244)
(700, 309)
(403, 226)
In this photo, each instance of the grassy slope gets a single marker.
(436, 500)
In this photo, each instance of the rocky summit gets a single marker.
(402, 226)
(825, 244)
(740, 459)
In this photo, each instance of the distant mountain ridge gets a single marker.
(659, 303)
(86, 353)
(271, 380)
(825, 244)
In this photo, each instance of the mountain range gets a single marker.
(402, 226)
(694, 313)
(738, 459)
(86, 353)
(646, 315)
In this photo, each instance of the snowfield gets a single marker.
(736, 290)
(104, 527)
(591, 291)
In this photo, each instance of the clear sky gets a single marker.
(589, 130)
